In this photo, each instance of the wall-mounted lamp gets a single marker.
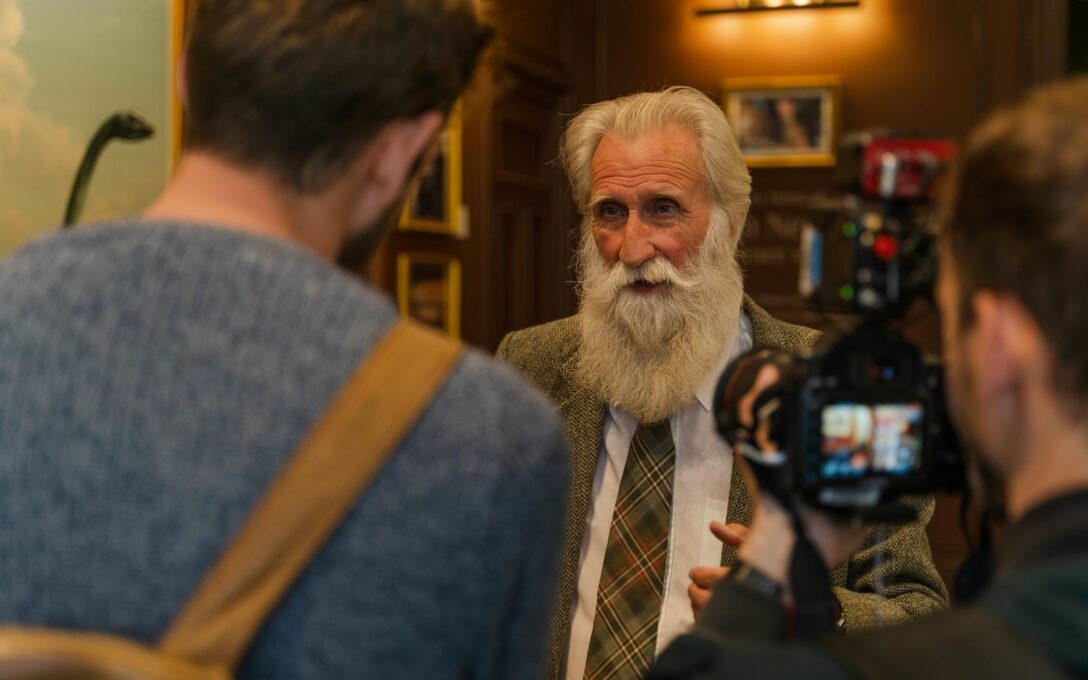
(740, 6)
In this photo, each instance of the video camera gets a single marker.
(863, 419)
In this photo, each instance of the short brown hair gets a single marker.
(1018, 221)
(298, 87)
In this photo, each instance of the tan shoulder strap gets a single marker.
(312, 495)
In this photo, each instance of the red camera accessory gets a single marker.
(904, 169)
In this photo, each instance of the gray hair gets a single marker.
(727, 178)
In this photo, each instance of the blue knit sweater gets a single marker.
(154, 377)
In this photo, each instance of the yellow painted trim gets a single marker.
(178, 14)
(404, 265)
(454, 288)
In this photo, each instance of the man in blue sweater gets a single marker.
(155, 374)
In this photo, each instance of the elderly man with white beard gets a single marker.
(657, 505)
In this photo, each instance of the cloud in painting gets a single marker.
(33, 149)
(11, 24)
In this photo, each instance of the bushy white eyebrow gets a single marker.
(657, 195)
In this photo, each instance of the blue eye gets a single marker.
(612, 214)
(665, 208)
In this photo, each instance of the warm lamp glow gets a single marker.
(822, 41)
(767, 5)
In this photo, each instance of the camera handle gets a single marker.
(816, 611)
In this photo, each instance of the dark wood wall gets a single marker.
(518, 268)
(923, 65)
(516, 256)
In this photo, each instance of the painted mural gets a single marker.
(65, 67)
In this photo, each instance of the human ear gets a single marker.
(1010, 347)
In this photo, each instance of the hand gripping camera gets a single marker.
(862, 420)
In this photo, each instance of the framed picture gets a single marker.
(429, 290)
(435, 203)
(785, 122)
(66, 68)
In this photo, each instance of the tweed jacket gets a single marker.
(547, 356)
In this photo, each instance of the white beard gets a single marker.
(649, 353)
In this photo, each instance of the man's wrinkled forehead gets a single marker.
(663, 161)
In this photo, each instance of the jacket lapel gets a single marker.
(739, 511)
(583, 412)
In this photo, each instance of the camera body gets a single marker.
(862, 420)
(869, 423)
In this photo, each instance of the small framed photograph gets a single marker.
(785, 122)
(429, 290)
(435, 203)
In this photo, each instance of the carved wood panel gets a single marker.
(528, 233)
(517, 259)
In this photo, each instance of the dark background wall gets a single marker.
(916, 65)
(1078, 36)
(932, 65)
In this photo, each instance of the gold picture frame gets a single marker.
(787, 121)
(434, 205)
(429, 290)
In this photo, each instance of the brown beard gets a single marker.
(358, 248)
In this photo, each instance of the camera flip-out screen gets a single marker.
(864, 439)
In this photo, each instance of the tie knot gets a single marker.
(656, 436)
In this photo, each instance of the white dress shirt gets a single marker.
(704, 465)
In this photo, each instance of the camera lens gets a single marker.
(888, 372)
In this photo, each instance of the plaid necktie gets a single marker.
(632, 579)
